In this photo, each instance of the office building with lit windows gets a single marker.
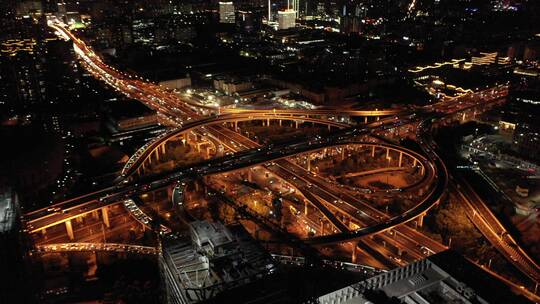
(286, 19)
(226, 12)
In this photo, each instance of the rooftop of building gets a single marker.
(445, 277)
(216, 234)
(520, 112)
(128, 108)
(202, 275)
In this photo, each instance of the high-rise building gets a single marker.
(286, 19)
(350, 24)
(296, 7)
(214, 259)
(249, 20)
(226, 12)
(13, 288)
(21, 71)
(351, 21)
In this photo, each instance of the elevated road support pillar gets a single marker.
(365, 119)
(420, 220)
(163, 146)
(372, 151)
(105, 215)
(354, 252)
(400, 159)
(69, 230)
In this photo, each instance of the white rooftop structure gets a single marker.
(209, 237)
(216, 258)
(444, 278)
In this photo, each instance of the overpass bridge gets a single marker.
(95, 247)
(155, 148)
(42, 219)
(323, 113)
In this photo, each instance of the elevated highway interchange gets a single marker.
(186, 116)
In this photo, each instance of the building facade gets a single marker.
(226, 12)
(286, 19)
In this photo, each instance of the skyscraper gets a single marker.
(226, 12)
(11, 255)
(249, 20)
(296, 7)
(286, 19)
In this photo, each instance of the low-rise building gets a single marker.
(176, 83)
(230, 86)
(126, 115)
(443, 278)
